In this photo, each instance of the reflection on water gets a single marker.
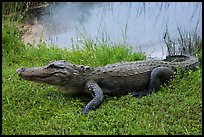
(138, 24)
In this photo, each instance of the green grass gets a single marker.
(32, 108)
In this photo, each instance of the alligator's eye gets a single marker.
(56, 66)
(51, 66)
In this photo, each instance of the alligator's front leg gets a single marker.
(158, 75)
(98, 97)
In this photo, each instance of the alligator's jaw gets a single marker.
(43, 75)
(29, 74)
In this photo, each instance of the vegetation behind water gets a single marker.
(32, 108)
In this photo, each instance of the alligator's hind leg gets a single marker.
(93, 88)
(158, 75)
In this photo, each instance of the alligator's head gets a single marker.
(55, 73)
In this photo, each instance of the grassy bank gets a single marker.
(32, 108)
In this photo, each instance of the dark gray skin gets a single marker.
(138, 77)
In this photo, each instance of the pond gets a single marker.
(138, 24)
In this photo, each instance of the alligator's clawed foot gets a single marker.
(86, 110)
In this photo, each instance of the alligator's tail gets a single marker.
(183, 61)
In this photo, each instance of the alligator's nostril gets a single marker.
(20, 70)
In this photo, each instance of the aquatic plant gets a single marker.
(189, 42)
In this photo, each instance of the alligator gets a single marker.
(141, 78)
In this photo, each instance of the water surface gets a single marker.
(138, 24)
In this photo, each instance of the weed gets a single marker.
(188, 43)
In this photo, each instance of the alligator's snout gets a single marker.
(20, 70)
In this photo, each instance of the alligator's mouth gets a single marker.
(32, 77)
(42, 75)
(31, 73)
